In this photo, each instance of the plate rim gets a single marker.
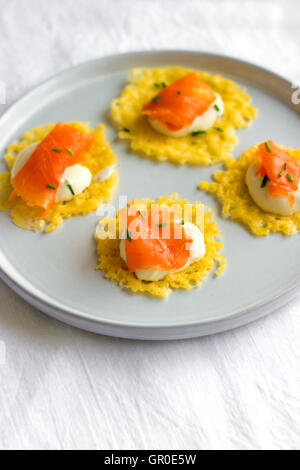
(135, 330)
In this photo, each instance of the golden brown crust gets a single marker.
(207, 149)
(98, 156)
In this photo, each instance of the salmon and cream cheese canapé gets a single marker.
(185, 107)
(261, 189)
(273, 181)
(181, 115)
(57, 171)
(155, 250)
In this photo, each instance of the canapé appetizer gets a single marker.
(150, 248)
(184, 116)
(261, 189)
(57, 171)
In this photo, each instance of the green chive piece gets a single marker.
(162, 225)
(280, 174)
(267, 145)
(141, 215)
(157, 85)
(219, 129)
(128, 236)
(178, 92)
(56, 150)
(125, 129)
(69, 151)
(264, 181)
(198, 133)
(217, 108)
(182, 222)
(156, 99)
(285, 166)
(163, 84)
(71, 189)
(290, 178)
(49, 186)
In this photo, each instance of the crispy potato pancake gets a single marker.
(97, 157)
(115, 268)
(207, 149)
(230, 189)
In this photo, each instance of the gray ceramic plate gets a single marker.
(56, 273)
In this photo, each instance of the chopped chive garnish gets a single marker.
(280, 174)
(56, 150)
(219, 129)
(163, 84)
(182, 222)
(141, 215)
(198, 133)
(162, 225)
(157, 85)
(285, 166)
(71, 189)
(156, 99)
(264, 181)
(267, 145)
(217, 107)
(290, 178)
(128, 236)
(69, 151)
(49, 186)
(125, 129)
(178, 92)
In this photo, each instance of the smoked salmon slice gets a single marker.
(38, 180)
(280, 170)
(154, 240)
(178, 104)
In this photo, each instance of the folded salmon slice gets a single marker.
(38, 180)
(177, 105)
(154, 240)
(281, 169)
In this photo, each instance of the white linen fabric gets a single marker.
(62, 388)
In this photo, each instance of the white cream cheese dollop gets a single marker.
(278, 205)
(197, 251)
(22, 158)
(105, 173)
(200, 123)
(77, 177)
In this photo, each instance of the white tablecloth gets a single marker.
(66, 389)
